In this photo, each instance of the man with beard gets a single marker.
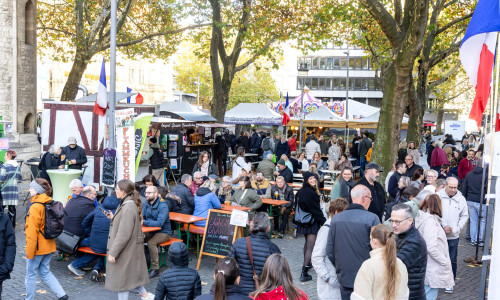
(261, 185)
(372, 172)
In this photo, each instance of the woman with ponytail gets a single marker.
(226, 282)
(126, 268)
(383, 275)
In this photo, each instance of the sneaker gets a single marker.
(280, 235)
(94, 276)
(75, 271)
(65, 297)
(448, 290)
(481, 244)
(149, 297)
(473, 243)
(86, 269)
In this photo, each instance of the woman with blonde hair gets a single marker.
(383, 275)
(277, 281)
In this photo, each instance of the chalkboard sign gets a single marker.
(219, 235)
(108, 167)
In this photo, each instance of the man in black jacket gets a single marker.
(377, 191)
(155, 156)
(412, 249)
(471, 190)
(348, 244)
(75, 154)
(184, 193)
(284, 171)
(393, 186)
(77, 209)
(364, 145)
(282, 191)
(411, 167)
(255, 142)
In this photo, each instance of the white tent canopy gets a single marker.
(375, 118)
(359, 110)
(252, 113)
(185, 111)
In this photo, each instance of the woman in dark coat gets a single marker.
(243, 141)
(51, 161)
(7, 248)
(262, 248)
(307, 199)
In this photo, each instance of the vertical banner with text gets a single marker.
(125, 144)
(141, 126)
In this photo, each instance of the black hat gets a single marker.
(373, 166)
(306, 175)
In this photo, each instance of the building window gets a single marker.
(29, 16)
(338, 83)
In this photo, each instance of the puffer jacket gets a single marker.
(179, 282)
(412, 250)
(262, 248)
(7, 246)
(204, 200)
(156, 215)
(96, 224)
(173, 202)
(233, 292)
(76, 210)
(438, 272)
(311, 148)
(471, 185)
(187, 199)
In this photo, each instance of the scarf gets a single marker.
(225, 192)
(204, 168)
(345, 188)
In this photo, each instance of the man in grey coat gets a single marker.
(184, 193)
(348, 244)
(267, 167)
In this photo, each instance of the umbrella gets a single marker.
(429, 124)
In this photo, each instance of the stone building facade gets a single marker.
(18, 75)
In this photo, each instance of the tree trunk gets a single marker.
(75, 76)
(417, 106)
(220, 102)
(439, 119)
(397, 80)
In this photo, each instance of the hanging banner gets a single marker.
(141, 127)
(125, 141)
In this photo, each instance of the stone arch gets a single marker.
(29, 23)
(29, 123)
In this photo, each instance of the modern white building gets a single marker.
(328, 74)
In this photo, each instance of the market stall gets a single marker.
(252, 113)
(185, 111)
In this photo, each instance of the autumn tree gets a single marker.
(77, 30)
(250, 85)
(256, 29)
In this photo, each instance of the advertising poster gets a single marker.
(125, 142)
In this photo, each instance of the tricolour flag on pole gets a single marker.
(286, 112)
(129, 90)
(477, 53)
(101, 102)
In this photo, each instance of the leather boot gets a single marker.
(305, 276)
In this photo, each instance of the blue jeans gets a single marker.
(40, 265)
(474, 219)
(87, 258)
(453, 249)
(431, 293)
(362, 163)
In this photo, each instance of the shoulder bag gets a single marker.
(301, 216)
(250, 255)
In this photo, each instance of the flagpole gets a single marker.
(112, 76)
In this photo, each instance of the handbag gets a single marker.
(250, 254)
(301, 216)
(67, 242)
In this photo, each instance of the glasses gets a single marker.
(226, 181)
(369, 197)
(198, 177)
(452, 187)
(396, 222)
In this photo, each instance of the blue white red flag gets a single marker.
(286, 112)
(101, 102)
(129, 90)
(477, 53)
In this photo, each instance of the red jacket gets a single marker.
(278, 294)
(465, 167)
(292, 143)
(438, 158)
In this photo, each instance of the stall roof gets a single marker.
(185, 111)
(92, 98)
(324, 114)
(213, 125)
(252, 113)
(359, 109)
(168, 123)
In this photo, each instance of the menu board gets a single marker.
(219, 235)
(108, 167)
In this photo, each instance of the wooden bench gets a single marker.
(163, 250)
(89, 251)
(198, 232)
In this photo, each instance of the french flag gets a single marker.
(101, 101)
(286, 112)
(477, 53)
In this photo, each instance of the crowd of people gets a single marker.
(365, 239)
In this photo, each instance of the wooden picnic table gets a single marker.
(150, 229)
(273, 202)
(231, 207)
(179, 218)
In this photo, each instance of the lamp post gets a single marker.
(347, 92)
(303, 71)
(198, 83)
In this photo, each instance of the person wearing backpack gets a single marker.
(10, 175)
(40, 238)
(267, 145)
(7, 248)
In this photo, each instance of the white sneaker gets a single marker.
(448, 290)
(149, 297)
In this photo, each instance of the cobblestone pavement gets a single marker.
(467, 284)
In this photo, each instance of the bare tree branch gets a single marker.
(257, 54)
(57, 30)
(452, 23)
(439, 56)
(398, 12)
(445, 77)
(384, 19)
